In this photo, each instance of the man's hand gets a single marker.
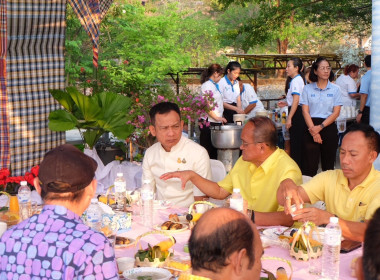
(289, 193)
(183, 175)
(312, 214)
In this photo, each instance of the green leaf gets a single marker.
(87, 105)
(61, 120)
(63, 98)
(92, 136)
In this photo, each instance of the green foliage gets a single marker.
(96, 114)
(295, 22)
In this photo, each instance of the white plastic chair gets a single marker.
(218, 172)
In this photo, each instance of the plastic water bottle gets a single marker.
(25, 206)
(331, 250)
(120, 191)
(236, 201)
(94, 215)
(147, 195)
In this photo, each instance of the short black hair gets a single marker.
(211, 252)
(232, 65)
(367, 60)
(265, 131)
(371, 256)
(163, 108)
(314, 67)
(370, 134)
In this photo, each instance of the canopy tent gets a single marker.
(32, 38)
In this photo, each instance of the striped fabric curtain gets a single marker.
(4, 127)
(90, 14)
(35, 63)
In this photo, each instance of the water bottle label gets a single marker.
(332, 240)
(236, 204)
(147, 195)
(23, 197)
(120, 186)
(92, 217)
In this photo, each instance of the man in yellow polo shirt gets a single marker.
(257, 173)
(351, 193)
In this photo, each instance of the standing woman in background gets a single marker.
(229, 87)
(348, 86)
(321, 101)
(209, 79)
(295, 122)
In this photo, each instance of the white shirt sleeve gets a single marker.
(297, 85)
(203, 168)
(351, 86)
(147, 173)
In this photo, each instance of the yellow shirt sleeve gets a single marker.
(372, 207)
(315, 188)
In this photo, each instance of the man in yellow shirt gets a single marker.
(351, 193)
(258, 173)
(224, 244)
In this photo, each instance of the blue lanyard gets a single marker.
(216, 85)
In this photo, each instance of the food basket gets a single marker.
(193, 216)
(303, 245)
(153, 260)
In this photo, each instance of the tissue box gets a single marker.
(118, 221)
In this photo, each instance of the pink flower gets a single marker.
(141, 119)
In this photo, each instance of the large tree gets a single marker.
(283, 20)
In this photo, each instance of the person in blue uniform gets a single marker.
(321, 102)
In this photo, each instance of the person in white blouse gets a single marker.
(295, 122)
(173, 152)
(249, 100)
(229, 87)
(347, 84)
(209, 79)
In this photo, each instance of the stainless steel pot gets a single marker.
(226, 136)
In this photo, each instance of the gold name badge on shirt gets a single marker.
(181, 161)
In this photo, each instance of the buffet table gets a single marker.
(300, 268)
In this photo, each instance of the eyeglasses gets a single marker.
(328, 68)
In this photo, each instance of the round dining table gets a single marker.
(274, 256)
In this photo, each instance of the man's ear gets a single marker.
(152, 130)
(372, 156)
(36, 183)
(237, 260)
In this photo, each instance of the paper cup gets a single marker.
(125, 263)
(3, 228)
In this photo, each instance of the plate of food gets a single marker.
(178, 218)
(123, 242)
(172, 227)
(275, 232)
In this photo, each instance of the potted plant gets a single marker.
(91, 115)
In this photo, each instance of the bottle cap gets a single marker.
(334, 220)
(236, 191)
(23, 183)
(94, 200)
(119, 174)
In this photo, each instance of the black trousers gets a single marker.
(205, 139)
(326, 152)
(297, 133)
(365, 115)
(228, 114)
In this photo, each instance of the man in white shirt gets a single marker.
(249, 100)
(173, 152)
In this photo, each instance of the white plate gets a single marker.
(166, 273)
(184, 228)
(161, 204)
(121, 246)
(274, 232)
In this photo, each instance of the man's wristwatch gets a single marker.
(360, 112)
(322, 125)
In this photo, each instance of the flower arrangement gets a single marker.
(10, 184)
(191, 104)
